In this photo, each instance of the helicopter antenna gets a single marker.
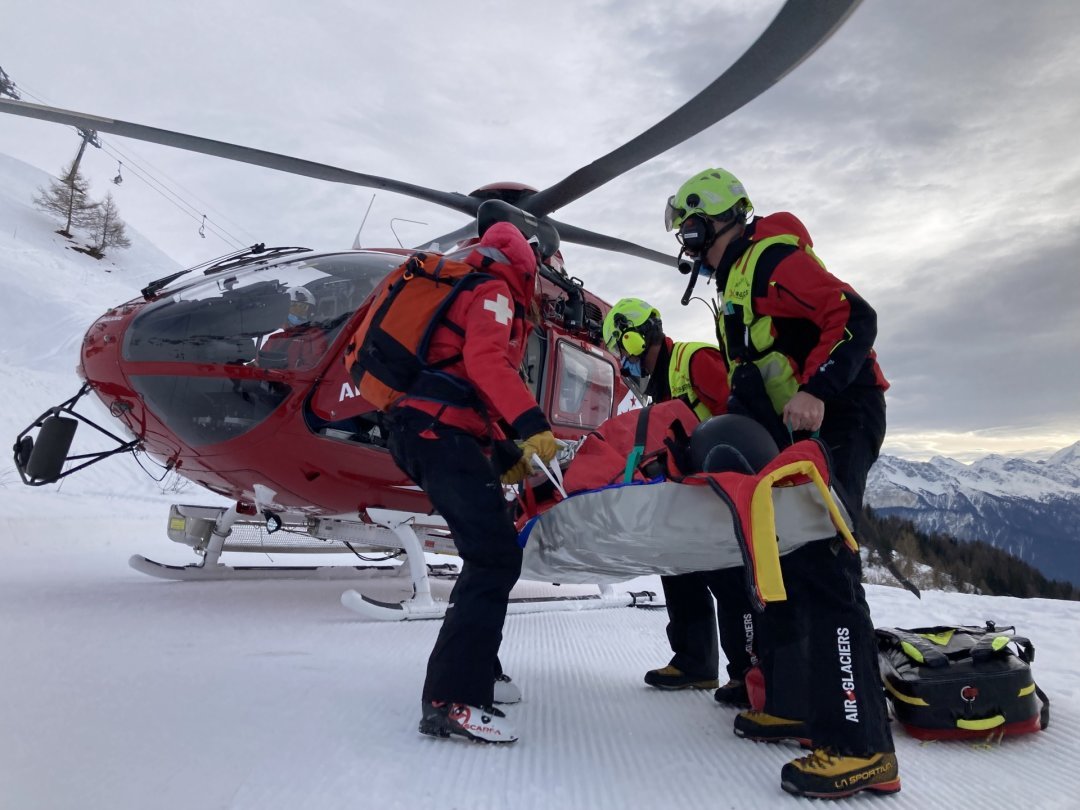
(400, 219)
(356, 239)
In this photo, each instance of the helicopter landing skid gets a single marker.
(202, 572)
(213, 530)
(411, 610)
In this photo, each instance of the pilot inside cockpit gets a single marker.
(300, 343)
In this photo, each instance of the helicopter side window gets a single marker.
(584, 387)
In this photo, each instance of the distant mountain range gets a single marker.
(1030, 509)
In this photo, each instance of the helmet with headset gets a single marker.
(631, 326)
(713, 192)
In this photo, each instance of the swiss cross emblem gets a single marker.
(500, 308)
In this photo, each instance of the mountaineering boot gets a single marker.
(762, 727)
(670, 677)
(825, 775)
(733, 693)
(506, 691)
(484, 724)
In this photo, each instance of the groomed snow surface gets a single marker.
(124, 692)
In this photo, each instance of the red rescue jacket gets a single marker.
(821, 323)
(487, 327)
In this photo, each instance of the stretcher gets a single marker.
(704, 522)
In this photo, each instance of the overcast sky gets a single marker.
(929, 146)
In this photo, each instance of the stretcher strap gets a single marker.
(756, 521)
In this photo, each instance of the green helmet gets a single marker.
(629, 326)
(712, 193)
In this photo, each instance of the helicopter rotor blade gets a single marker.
(800, 27)
(798, 30)
(581, 236)
(257, 157)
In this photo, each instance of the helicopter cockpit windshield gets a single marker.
(227, 320)
(283, 315)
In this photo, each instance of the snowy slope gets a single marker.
(51, 295)
(127, 693)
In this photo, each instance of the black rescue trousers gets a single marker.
(853, 430)
(692, 622)
(819, 654)
(462, 485)
(818, 650)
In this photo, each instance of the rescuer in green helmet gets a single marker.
(657, 367)
(799, 349)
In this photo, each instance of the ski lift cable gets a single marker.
(168, 193)
(202, 204)
(159, 186)
(203, 224)
(193, 212)
(182, 205)
(178, 202)
(186, 209)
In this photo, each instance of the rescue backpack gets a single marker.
(961, 682)
(386, 355)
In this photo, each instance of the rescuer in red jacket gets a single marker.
(443, 440)
(799, 345)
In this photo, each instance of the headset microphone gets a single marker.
(693, 269)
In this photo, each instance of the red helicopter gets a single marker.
(208, 377)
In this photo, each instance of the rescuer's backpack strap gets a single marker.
(386, 356)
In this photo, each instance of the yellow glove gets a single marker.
(541, 444)
(519, 472)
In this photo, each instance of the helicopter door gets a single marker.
(532, 367)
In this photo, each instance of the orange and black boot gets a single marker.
(733, 693)
(826, 775)
(762, 727)
(670, 677)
